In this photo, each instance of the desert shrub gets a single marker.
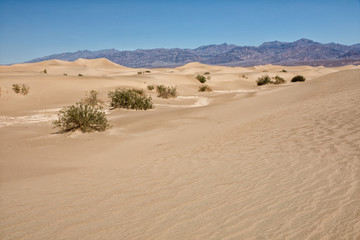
(166, 92)
(201, 79)
(279, 80)
(204, 88)
(150, 87)
(130, 99)
(16, 87)
(81, 117)
(80, 75)
(243, 76)
(298, 78)
(147, 71)
(265, 79)
(208, 77)
(283, 70)
(92, 99)
(45, 71)
(206, 73)
(139, 73)
(21, 88)
(65, 74)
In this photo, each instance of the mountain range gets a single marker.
(300, 52)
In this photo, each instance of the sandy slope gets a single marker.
(243, 162)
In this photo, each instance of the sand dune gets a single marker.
(241, 162)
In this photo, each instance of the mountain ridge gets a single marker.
(300, 52)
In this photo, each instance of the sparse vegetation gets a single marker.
(278, 80)
(205, 88)
(265, 79)
(80, 75)
(130, 99)
(166, 92)
(147, 71)
(206, 73)
(150, 87)
(298, 78)
(139, 73)
(243, 76)
(65, 74)
(283, 70)
(92, 99)
(21, 88)
(81, 117)
(201, 79)
(44, 71)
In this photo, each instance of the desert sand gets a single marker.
(241, 162)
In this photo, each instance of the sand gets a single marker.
(242, 162)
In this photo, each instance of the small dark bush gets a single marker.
(150, 87)
(65, 74)
(298, 78)
(265, 79)
(166, 92)
(45, 71)
(140, 73)
(205, 88)
(92, 99)
(130, 99)
(206, 73)
(21, 88)
(201, 79)
(81, 117)
(279, 80)
(80, 75)
(16, 88)
(283, 70)
(147, 71)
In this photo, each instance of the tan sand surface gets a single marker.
(242, 162)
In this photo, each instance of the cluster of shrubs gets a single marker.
(21, 88)
(147, 71)
(202, 78)
(265, 79)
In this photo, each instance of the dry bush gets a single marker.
(265, 79)
(298, 78)
(92, 99)
(81, 117)
(166, 92)
(204, 88)
(130, 99)
(21, 88)
(201, 79)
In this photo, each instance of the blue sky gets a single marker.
(31, 29)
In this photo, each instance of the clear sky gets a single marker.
(36, 28)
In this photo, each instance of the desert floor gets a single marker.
(241, 162)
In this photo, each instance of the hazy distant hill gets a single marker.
(301, 52)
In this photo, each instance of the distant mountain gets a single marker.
(300, 52)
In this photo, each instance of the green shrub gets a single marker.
(92, 99)
(204, 88)
(298, 78)
(283, 70)
(80, 75)
(150, 87)
(279, 80)
(81, 117)
(201, 79)
(265, 79)
(21, 88)
(130, 99)
(166, 92)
